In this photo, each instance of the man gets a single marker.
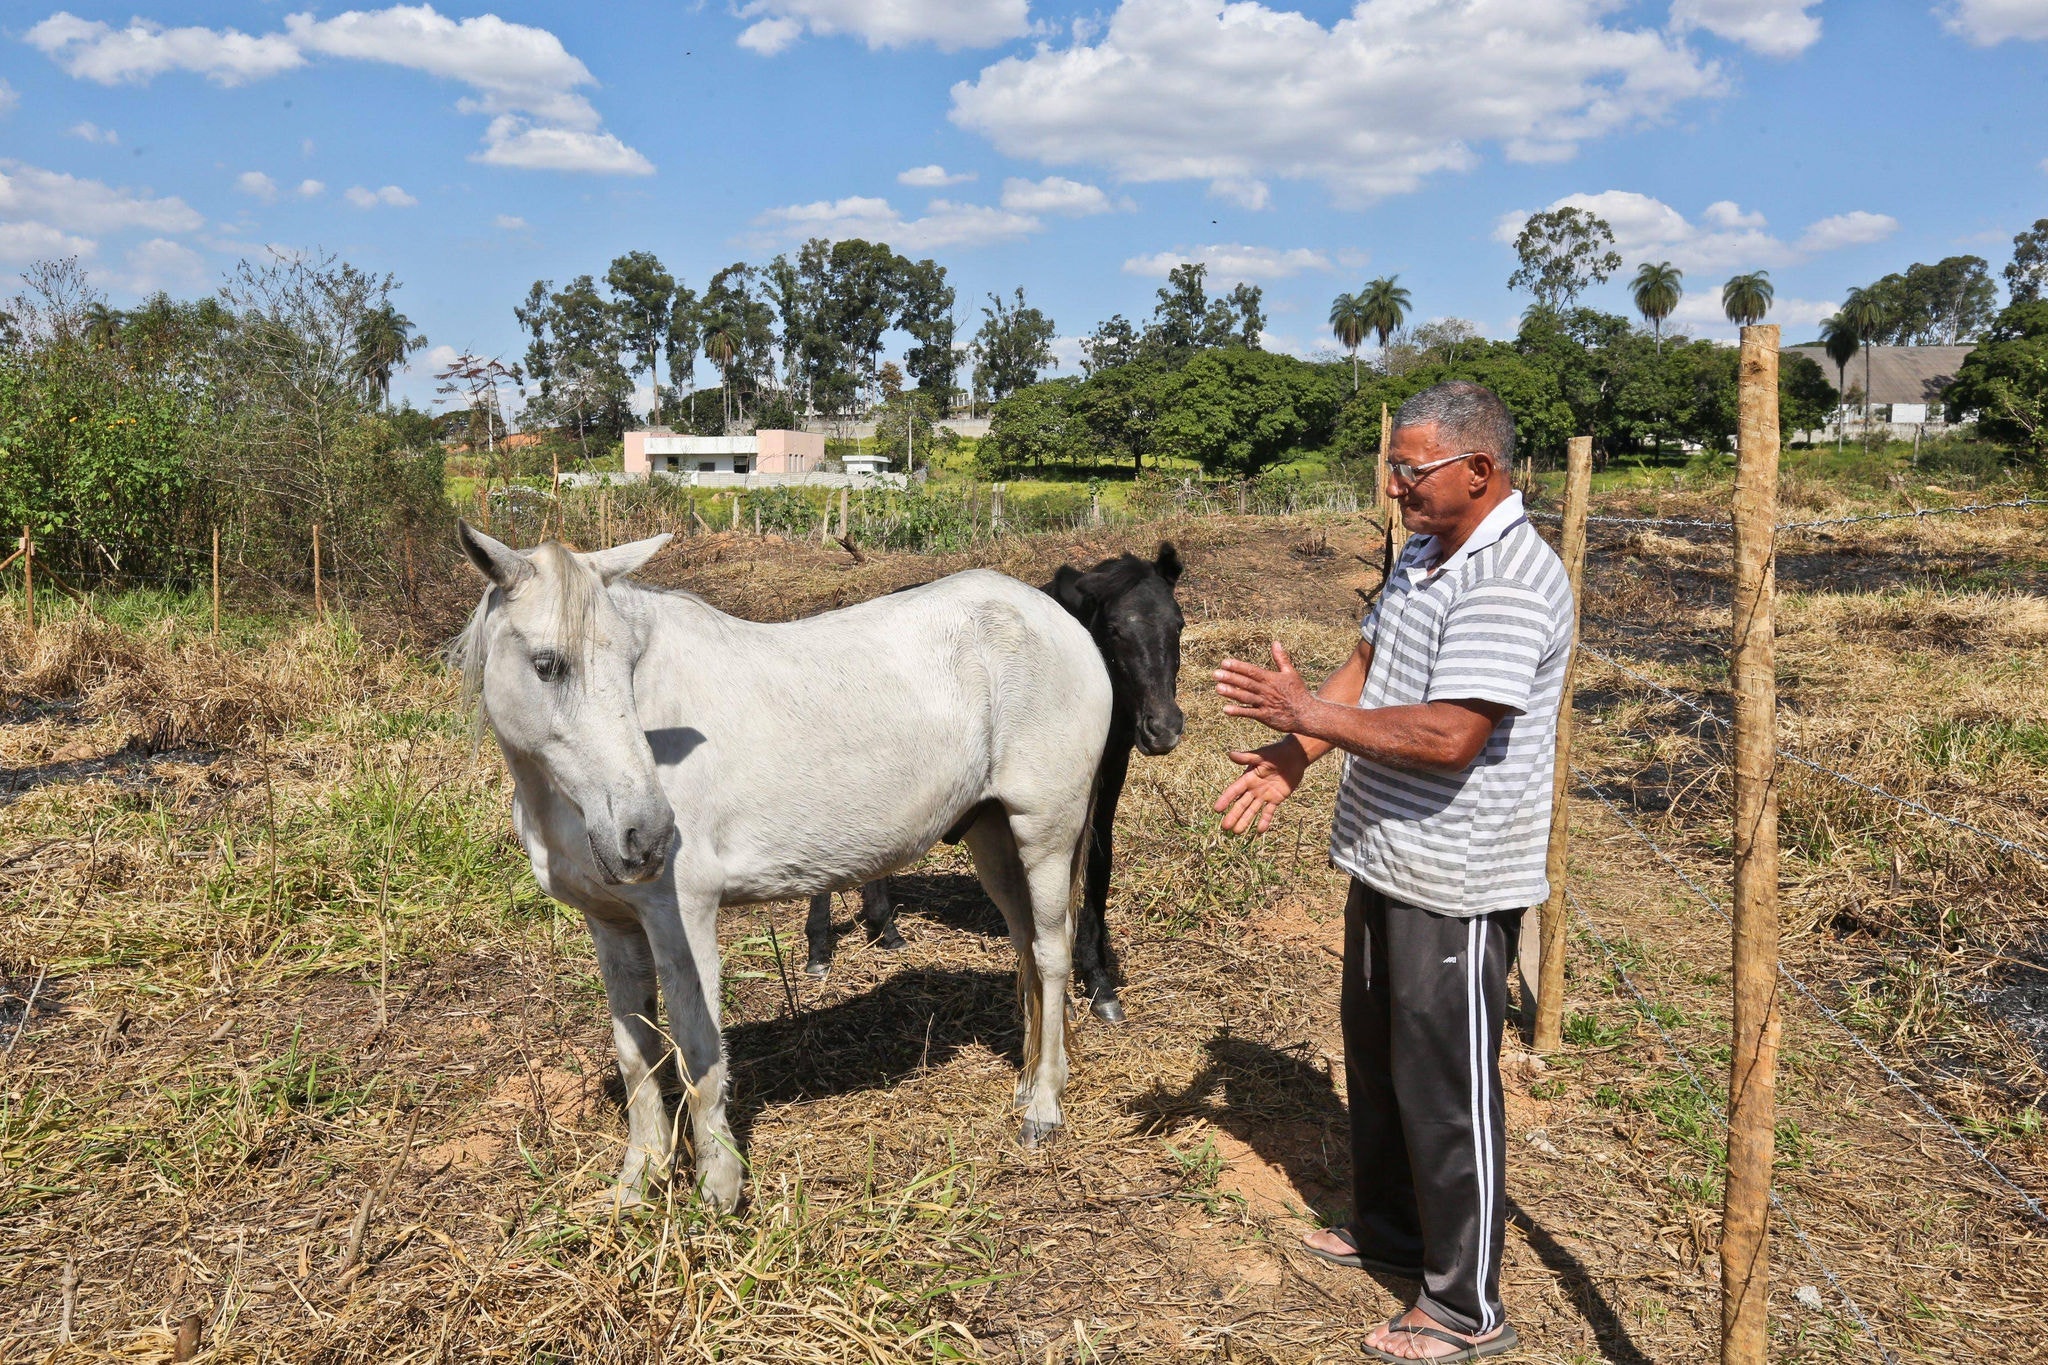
(1442, 821)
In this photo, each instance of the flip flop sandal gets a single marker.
(1499, 1344)
(1352, 1260)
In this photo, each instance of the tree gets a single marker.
(1863, 312)
(1805, 398)
(1936, 305)
(1013, 345)
(733, 310)
(2026, 275)
(1118, 409)
(1347, 322)
(721, 348)
(1563, 252)
(476, 381)
(1385, 306)
(1112, 343)
(643, 297)
(2004, 380)
(1029, 427)
(1656, 290)
(1185, 319)
(927, 315)
(1746, 298)
(1445, 339)
(1237, 411)
(683, 341)
(1838, 338)
(575, 355)
(384, 337)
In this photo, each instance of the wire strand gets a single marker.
(2033, 1205)
(1650, 1012)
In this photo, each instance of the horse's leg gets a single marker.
(684, 935)
(1094, 959)
(878, 911)
(1028, 866)
(818, 934)
(627, 964)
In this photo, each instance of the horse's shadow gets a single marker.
(918, 1018)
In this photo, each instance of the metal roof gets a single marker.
(1898, 374)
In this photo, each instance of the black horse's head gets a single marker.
(1127, 604)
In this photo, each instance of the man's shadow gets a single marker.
(1283, 1104)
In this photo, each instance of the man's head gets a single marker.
(1452, 454)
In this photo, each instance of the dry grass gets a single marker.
(298, 962)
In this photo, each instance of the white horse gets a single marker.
(668, 759)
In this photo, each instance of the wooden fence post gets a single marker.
(216, 582)
(319, 602)
(28, 575)
(1389, 506)
(735, 511)
(1551, 920)
(995, 506)
(1759, 1017)
(842, 509)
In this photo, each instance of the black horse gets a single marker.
(1127, 603)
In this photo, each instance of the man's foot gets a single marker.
(1415, 1335)
(1339, 1247)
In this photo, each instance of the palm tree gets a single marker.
(720, 347)
(1384, 307)
(383, 338)
(1746, 298)
(1657, 290)
(103, 324)
(1865, 313)
(1838, 338)
(1347, 321)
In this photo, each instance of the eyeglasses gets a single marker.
(1413, 474)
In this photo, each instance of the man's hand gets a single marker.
(1270, 776)
(1278, 700)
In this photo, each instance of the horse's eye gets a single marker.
(550, 666)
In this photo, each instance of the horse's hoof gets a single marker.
(817, 971)
(890, 942)
(1032, 1132)
(1107, 1008)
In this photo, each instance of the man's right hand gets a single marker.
(1270, 776)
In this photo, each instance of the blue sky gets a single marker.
(1077, 151)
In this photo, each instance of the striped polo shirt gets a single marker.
(1493, 623)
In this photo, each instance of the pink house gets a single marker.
(765, 452)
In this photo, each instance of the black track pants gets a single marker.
(1424, 995)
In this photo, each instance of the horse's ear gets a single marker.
(494, 559)
(621, 560)
(1168, 562)
(1068, 590)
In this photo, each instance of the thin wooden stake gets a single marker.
(28, 575)
(216, 582)
(319, 602)
(1389, 505)
(735, 511)
(842, 510)
(1549, 929)
(1759, 1017)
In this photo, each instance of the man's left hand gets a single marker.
(1279, 699)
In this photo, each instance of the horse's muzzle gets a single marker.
(1159, 734)
(640, 856)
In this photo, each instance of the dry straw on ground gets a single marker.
(292, 980)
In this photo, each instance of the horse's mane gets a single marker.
(574, 588)
(1114, 577)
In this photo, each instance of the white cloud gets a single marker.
(305, 146)
(92, 132)
(1985, 22)
(1699, 313)
(436, 358)
(1776, 28)
(310, 189)
(160, 263)
(1201, 89)
(96, 51)
(932, 177)
(21, 243)
(770, 36)
(1245, 193)
(511, 141)
(943, 224)
(1725, 238)
(509, 223)
(390, 195)
(521, 76)
(1856, 228)
(1232, 262)
(256, 185)
(948, 25)
(1057, 194)
(9, 97)
(81, 205)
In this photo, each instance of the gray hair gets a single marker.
(1467, 416)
